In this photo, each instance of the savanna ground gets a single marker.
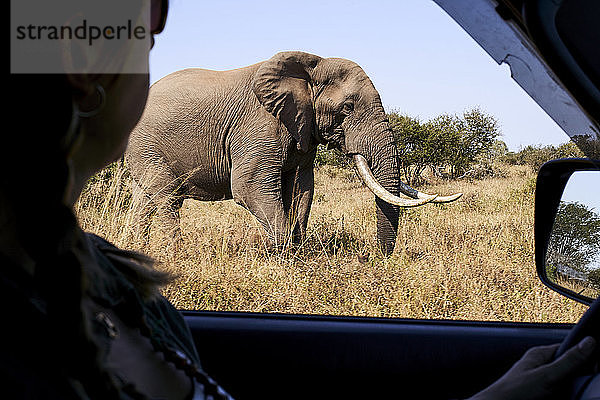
(471, 259)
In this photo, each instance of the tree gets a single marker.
(566, 150)
(497, 150)
(536, 155)
(416, 145)
(575, 239)
(464, 139)
(457, 142)
(589, 145)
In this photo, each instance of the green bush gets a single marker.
(418, 146)
(333, 157)
(536, 156)
(457, 143)
(589, 145)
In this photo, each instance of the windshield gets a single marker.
(505, 42)
(443, 118)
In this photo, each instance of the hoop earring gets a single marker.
(94, 111)
(72, 133)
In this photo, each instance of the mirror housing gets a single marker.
(551, 182)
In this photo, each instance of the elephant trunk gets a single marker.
(376, 162)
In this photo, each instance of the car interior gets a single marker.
(550, 47)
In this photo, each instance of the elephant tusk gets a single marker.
(415, 194)
(367, 176)
(446, 199)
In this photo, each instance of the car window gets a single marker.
(459, 124)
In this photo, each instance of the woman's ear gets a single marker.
(83, 85)
(282, 86)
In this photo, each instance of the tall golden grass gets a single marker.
(471, 259)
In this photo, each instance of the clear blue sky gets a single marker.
(419, 59)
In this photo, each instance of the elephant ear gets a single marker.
(282, 85)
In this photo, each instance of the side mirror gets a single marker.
(567, 227)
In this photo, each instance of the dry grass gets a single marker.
(472, 259)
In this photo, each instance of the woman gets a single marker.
(86, 319)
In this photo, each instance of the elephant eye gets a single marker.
(348, 107)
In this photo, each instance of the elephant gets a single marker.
(251, 135)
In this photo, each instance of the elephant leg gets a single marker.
(259, 191)
(271, 215)
(158, 193)
(167, 216)
(298, 190)
(141, 209)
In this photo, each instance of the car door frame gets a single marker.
(256, 355)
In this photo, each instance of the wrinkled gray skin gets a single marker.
(251, 134)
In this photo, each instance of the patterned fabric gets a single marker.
(29, 348)
(167, 327)
(157, 319)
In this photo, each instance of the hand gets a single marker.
(536, 375)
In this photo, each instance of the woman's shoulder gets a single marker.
(131, 284)
(131, 267)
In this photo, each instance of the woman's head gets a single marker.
(83, 120)
(61, 129)
(110, 105)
